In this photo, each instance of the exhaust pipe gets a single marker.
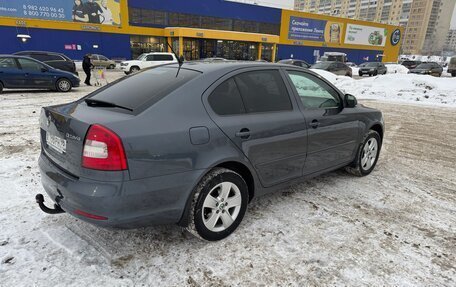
(40, 200)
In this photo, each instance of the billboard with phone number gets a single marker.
(105, 12)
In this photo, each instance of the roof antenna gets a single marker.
(180, 60)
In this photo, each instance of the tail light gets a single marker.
(103, 150)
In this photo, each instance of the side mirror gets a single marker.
(350, 101)
(44, 70)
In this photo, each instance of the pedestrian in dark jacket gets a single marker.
(86, 66)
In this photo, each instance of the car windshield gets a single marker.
(321, 65)
(144, 89)
(371, 64)
(425, 66)
(142, 56)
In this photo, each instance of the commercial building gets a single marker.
(194, 28)
(427, 21)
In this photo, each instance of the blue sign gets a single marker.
(306, 29)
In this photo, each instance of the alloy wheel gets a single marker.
(369, 154)
(221, 206)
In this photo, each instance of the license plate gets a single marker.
(56, 143)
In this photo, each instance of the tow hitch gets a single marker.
(40, 200)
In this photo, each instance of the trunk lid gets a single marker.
(62, 137)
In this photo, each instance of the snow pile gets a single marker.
(403, 88)
(333, 78)
(396, 69)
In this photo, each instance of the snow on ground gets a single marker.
(396, 69)
(407, 88)
(395, 227)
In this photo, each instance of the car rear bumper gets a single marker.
(124, 204)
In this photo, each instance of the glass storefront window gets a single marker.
(237, 50)
(153, 18)
(146, 44)
(267, 51)
(191, 49)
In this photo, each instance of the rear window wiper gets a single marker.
(103, 104)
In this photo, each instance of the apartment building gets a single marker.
(450, 43)
(392, 12)
(427, 21)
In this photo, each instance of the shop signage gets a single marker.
(395, 37)
(98, 12)
(365, 35)
(306, 29)
(21, 23)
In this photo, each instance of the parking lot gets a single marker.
(396, 226)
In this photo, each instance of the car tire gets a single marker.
(375, 73)
(453, 74)
(367, 155)
(218, 205)
(63, 85)
(1, 87)
(360, 74)
(112, 67)
(134, 69)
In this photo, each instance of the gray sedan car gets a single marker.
(193, 145)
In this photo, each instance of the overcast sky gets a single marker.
(453, 21)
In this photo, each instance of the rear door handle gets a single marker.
(314, 124)
(243, 134)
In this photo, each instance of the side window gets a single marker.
(7, 63)
(314, 93)
(54, 57)
(39, 57)
(226, 99)
(150, 58)
(263, 91)
(29, 65)
(163, 58)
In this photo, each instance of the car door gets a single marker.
(95, 59)
(104, 62)
(255, 111)
(332, 130)
(10, 75)
(149, 61)
(35, 74)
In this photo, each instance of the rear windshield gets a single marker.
(425, 66)
(144, 89)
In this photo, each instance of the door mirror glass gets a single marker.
(350, 101)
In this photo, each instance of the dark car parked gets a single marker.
(428, 68)
(194, 149)
(372, 69)
(18, 72)
(337, 68)
(55, 60)
(295, 62)
(409, 64)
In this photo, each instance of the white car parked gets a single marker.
(147, 60)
